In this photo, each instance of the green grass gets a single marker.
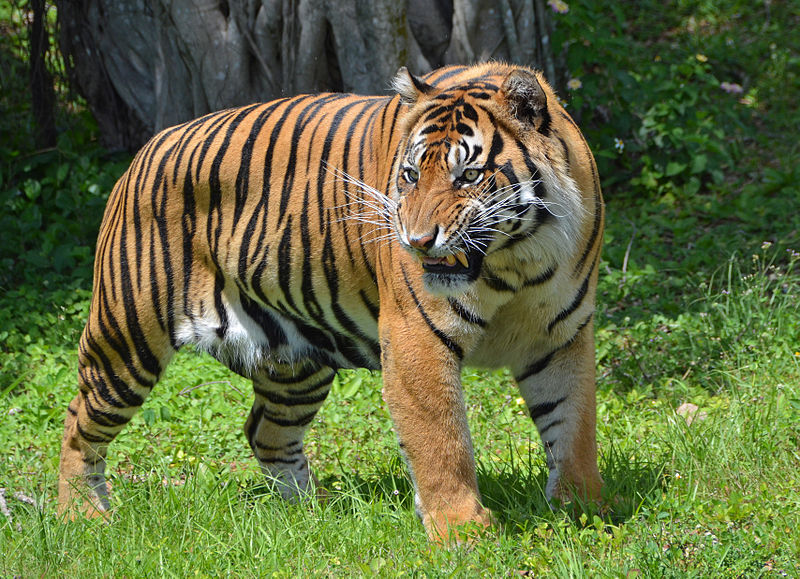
(719, 495)
(698, 303)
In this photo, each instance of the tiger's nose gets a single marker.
(423, 242)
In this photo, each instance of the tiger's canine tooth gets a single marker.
(450, 259)
(462, 258)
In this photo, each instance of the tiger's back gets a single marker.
(248, 208)
(459, 223)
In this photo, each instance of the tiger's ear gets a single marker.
(526, 99)
(409, 87)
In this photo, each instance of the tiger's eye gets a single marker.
(411, 175)
(471, 175)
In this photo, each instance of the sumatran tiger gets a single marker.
(456, 223)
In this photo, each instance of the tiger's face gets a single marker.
(475, 176)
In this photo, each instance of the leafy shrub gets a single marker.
(51, 204)
(671, 120)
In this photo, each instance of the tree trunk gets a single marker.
(41, 82)
(143, 66)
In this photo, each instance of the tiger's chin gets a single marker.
(451, 275)
(446, 285)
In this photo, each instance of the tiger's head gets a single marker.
(480, 178)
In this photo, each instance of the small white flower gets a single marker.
(574, 84)
(731, 87)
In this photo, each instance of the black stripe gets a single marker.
(285, 260)
(541, 278)
(331, 139)
(362, 152)
(279, 460)
(101, 417)
(574, 305)
(437, 76)
(214, 126)
(159, 216)
(374, 309)
(186, 142)
(536, 367)
(302, 421)
(544, 430)
(128, 398)
(252, 423)
(304, 118)
(155, 288)
(340, 204)
(435, 113)
(470, 112)
(496, 283)
(434, 128)
(276, 398)
(222, 312)
(539, 410)
(598, 206)
(188, 231)
(242, 187)
(445, 339)
(495, 148)
(120, 345)
(265, 320)
(91, 437)
(153, 153)
(332, 279)
(295, 378)
(90, 377)
(320, 339)
(214, 232)
(314, 386)
(268, 448)
(260, 211)
(465, 314)
(542, 363)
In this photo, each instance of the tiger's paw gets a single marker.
(75, 508)
(84, 498)
(454, 529)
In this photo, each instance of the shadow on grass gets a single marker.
(512, 489)
(515, 491)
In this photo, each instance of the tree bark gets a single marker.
(41, 82)
(143, 66)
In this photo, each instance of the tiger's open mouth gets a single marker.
(452, 263)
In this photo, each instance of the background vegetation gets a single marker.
(692, 111)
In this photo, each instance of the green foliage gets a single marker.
(668, 102)
(51, 201)
(51, 204)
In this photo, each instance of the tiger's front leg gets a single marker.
(422, 389)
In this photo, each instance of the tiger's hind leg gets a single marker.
(116, 373)
(286, 400)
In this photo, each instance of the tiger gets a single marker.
(456, 222)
